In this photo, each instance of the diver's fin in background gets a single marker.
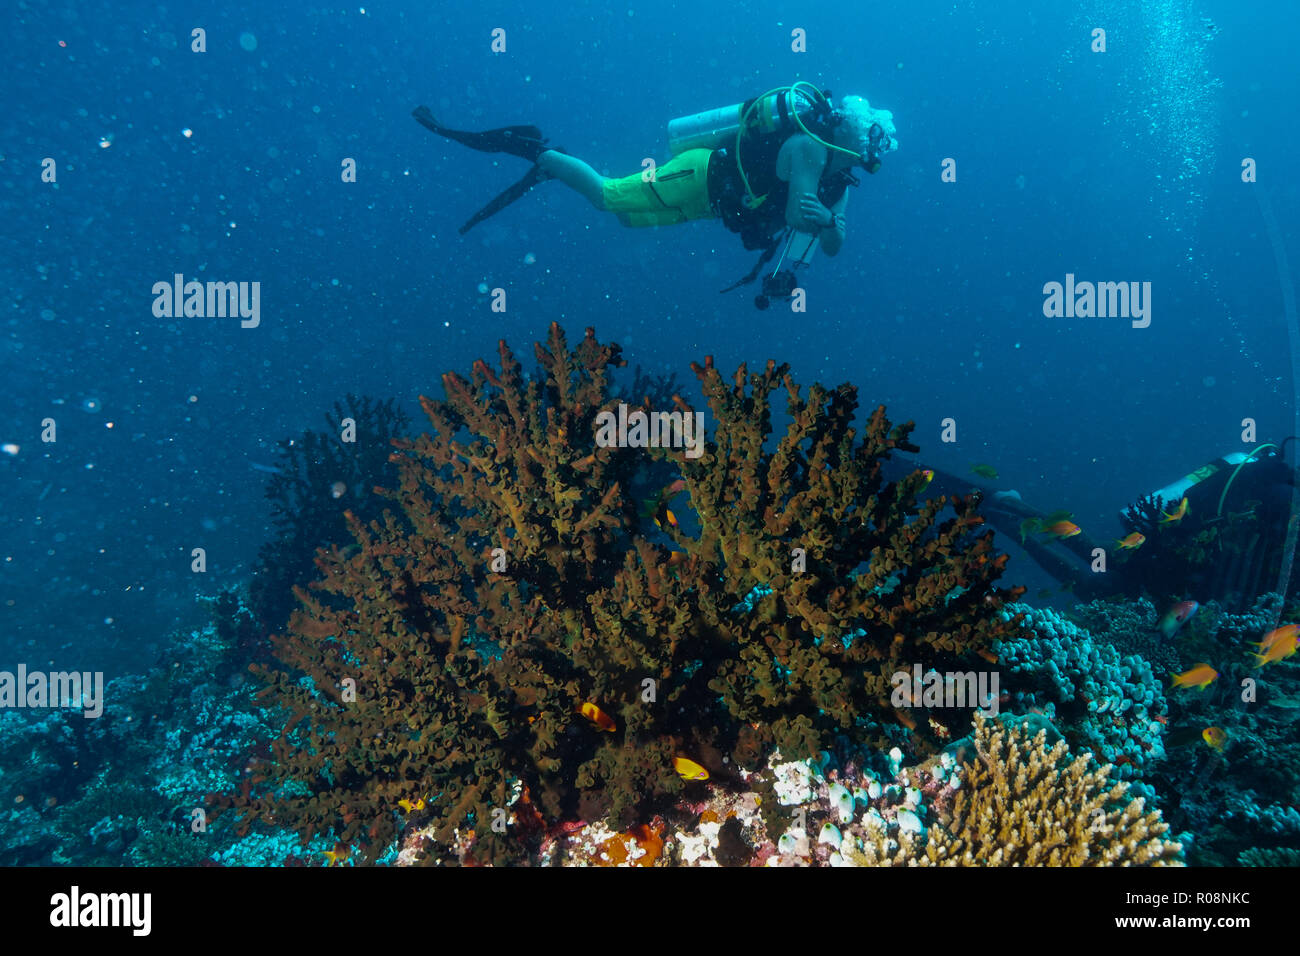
(526, 142)
(517, 191)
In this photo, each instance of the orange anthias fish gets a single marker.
(1132, 542)
(1201, 676)
(1285, 633)
(689, 769)
(598, 717)
(1062, 530)
(665, 517)
(1277, 645)
(409, 805)
(1179, 513)
(1216, 737)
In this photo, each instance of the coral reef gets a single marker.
(1000, 797)
(1128, 626)
(1263, 856)
(318, 477)
(1020, 803)
(1099, 700)
(434, 676)
(121, 788)
(649, 389)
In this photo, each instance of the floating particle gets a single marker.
(338, 489)
(529, 259)
(187, 132)
(482, 288)
(9, 448)
(1208, 381)
(90, 404)
(248, 42)
(105, 142)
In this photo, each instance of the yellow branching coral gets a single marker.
(1022, 804)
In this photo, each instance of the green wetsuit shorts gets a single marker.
(678, 192)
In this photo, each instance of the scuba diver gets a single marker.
(1223, 532)
(775, 169)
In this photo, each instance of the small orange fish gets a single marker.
(1201, 676)
(1179, 513)
(408, 805)
(669, 518)
(1062, 530)
(928, 475)
(1132, 542)
(689, 769)
(1285, 633)
(598, 717)
(1216, 737)
(1277, 645)
(988, 655)
(676, 487)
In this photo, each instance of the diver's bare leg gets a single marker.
(575, 174)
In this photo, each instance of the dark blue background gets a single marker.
(1068, 161)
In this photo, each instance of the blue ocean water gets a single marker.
(1123, 165)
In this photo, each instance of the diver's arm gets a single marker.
(832, 237)
(807, 160)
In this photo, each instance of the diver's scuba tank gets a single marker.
(714, 129)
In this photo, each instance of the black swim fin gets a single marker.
(517, 191)
(526, 142)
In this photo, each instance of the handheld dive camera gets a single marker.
(781, 283)
(778, 285)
